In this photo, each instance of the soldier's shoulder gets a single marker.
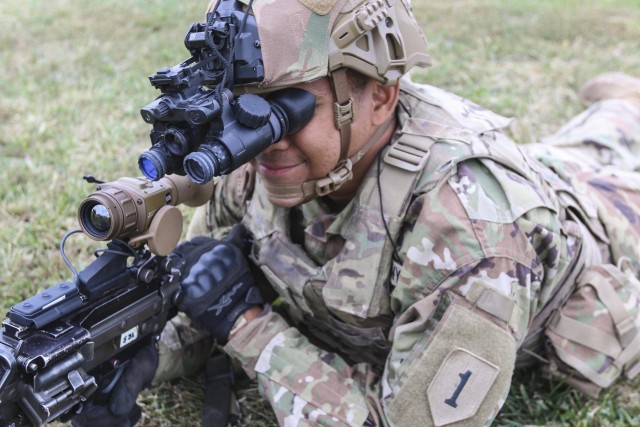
(436, 104)
(492, 177)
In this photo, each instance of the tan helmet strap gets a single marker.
(340, 174)
(342, 108)
(304, 191)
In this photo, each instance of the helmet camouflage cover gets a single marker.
(303, 40)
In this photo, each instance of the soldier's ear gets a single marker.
(385, 99)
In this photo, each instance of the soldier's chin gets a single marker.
(289, 201)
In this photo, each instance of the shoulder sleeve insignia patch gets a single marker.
(459, 387)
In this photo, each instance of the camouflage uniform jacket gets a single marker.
(357, 338)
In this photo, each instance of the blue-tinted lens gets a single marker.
(148, 168)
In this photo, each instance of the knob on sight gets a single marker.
(252, 110)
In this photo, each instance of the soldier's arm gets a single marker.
(451, 359)
(462, 303)
(304, 384)
(474, 267)
(454, 351)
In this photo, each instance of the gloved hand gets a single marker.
(217, 286)
(114, 405)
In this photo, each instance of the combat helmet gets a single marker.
(303, 40)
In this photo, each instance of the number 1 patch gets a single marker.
(459, 387)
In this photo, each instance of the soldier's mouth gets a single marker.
(276, 170)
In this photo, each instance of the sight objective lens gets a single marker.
(100, 218)
(96, 218)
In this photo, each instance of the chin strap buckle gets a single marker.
(343, 113)
(342, 173)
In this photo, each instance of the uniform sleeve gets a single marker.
(482, 251)
(454, 351)
(305, 385)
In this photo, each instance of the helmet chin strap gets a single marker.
(343, 114)
(293, 194)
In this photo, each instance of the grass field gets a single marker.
(74, 76)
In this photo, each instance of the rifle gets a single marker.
(57, 346)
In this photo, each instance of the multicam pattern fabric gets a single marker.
(486, 240)
(183, 349)
(604, 135)
(594, 332)
(305, 58)
(598, 153)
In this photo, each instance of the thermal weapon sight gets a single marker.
(136, 209)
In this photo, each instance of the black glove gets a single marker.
(217, 286)
(114, 405)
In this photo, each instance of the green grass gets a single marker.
(74, 77)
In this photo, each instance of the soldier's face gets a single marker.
(309, 153)
(314, 150)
